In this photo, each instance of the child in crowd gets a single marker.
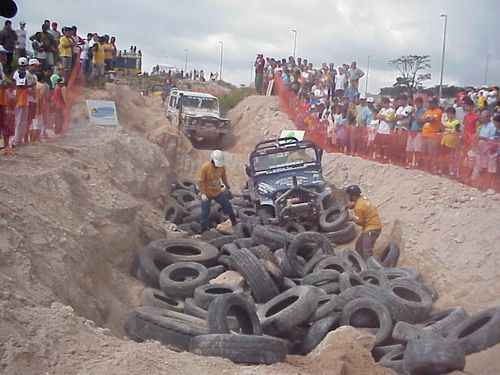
(449, 143)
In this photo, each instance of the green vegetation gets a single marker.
(230, 99)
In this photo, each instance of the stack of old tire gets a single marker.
(297, 288)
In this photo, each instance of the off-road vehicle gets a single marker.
(197, 115)
(285, 181)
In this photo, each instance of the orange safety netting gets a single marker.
(472, 162)
(73, 90)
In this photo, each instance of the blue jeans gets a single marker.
(226, 205)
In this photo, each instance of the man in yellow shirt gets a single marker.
(66, 50)
(366, 216)
(209, 183)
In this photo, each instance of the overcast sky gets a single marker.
(338, 31)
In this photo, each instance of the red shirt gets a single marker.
(470, 126)
(259, 65)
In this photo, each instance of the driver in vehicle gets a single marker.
(209, 183)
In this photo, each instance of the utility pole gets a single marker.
(186, 61)
(367, 75)
(294, 42)
(442, 54)
(220, 63)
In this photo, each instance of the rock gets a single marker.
(229, 277)
(344, 334)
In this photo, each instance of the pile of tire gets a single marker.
(298, 287)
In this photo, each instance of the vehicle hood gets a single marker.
(195, 112)
(268, 185)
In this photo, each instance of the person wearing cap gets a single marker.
(21, 40)
(210, 176)
(8, 38)
(23, 81)
(367, 217)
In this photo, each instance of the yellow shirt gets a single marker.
(209, 179)
(99, 54)
(108, 51)
(449, 138)
(65, 47)
(367, 215)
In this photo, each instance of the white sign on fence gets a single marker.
(102, 112)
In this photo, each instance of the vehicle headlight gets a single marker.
(193, 121)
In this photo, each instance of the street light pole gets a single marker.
(442, 54)
(186, 61)
(294, 42)
(220, 63)
(486, 69)
(367, 75)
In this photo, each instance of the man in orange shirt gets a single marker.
(431, 121)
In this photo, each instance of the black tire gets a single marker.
(284, 264)
(344, 235)
(148, 263)
(377, 312)
(215, 271)
(173, 213)
(156, 298)
(379, 351)
(288, 310)
(190, 206)
(478, 332)
(187, 227)
(325, 307)
(186, 250)
(241, 203)
(205, 294)
(348, 280)
(320, 277)
(260, 282)
(241, 307)
(330, 288)
(303, 241)
(275, 273)
(190, 308)
(353, 259)
(311, 263)
(433, 357)
(244, 214)
(333, 219)
(244, 243)
(432, 291)
(179, 280)
(210, 234)
(374, 264)
(247, 349)
(263, 252)
(317, 332)
(227, 262)
(374, 277)
(223, 240)
(310, 226)
(442, 322)
(411, 294)
(288, 283)
(228, 249)
(401, 272)
(242, 230)
(332, 263)
(294, 228)
(327, 201)
(265, 213)
(185, 196)
(405, 332)
(173, 329)
(186, 184)
(393, 360)
(274, 238)
(390, 255)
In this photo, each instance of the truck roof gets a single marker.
(193, 93)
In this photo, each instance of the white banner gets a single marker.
(102, 112)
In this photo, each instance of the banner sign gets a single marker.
(102, 112)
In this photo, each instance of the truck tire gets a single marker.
(173, 213)
(205, 294)
(317, 332)
(342, 236)
(401, 272)
(376, 310)
(242, 309)
(284, 264)
(433, 357)
(325, 307)
(333, 263)
(320, 277)
(179, 280)
(353, 259)
(390, 255)
(147, 265)
(184, 196)
(411, 294)
(294, 228)
(442, 322)
(187, 250)
(260, 282)
(393, 360)
(275, 273)
(405, 332)
(302, 242)
(263, 252)
(274, 238)
(348, 280)
(186, 184)
(379, 351)
(248, 349)
(478, 332)
(244, 214)
(374, 277)
(222, 240)
(246, 243)
(333, 219)
(173, 329)
(288, 310)
(156, 298)
(242, 230)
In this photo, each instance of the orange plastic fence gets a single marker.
(473, 163)
(73, 90)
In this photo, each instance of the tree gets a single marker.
(410, 69)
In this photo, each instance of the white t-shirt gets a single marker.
(340, 81)
(384, 127)
(405, 111)
(21, 39)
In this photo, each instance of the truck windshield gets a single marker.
(286, 158)
(197, 102)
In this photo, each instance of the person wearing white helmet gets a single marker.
(24, 81)
(210, 176)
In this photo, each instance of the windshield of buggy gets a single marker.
(282, 158)
(196, 102)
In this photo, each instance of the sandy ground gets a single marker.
(75, 210)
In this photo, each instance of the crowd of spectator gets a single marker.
(33, 97)
(458, 138)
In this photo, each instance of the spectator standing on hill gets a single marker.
(66, 51)
(367, 217)
(414, 141)
(59, 105)
(108, 53)
(56, 34)
(386, 118)
(449, 142)
(8, 38)
(430, 137)
(470, 122)
(259, 73)
(355, 74)
(340, 83)
(98, 69)
(38, 49)
(115, 51)
(23, 81)
(86, 57)
(21, 40)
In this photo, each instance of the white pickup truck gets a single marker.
(197, 115)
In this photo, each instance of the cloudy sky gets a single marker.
(338, 31)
